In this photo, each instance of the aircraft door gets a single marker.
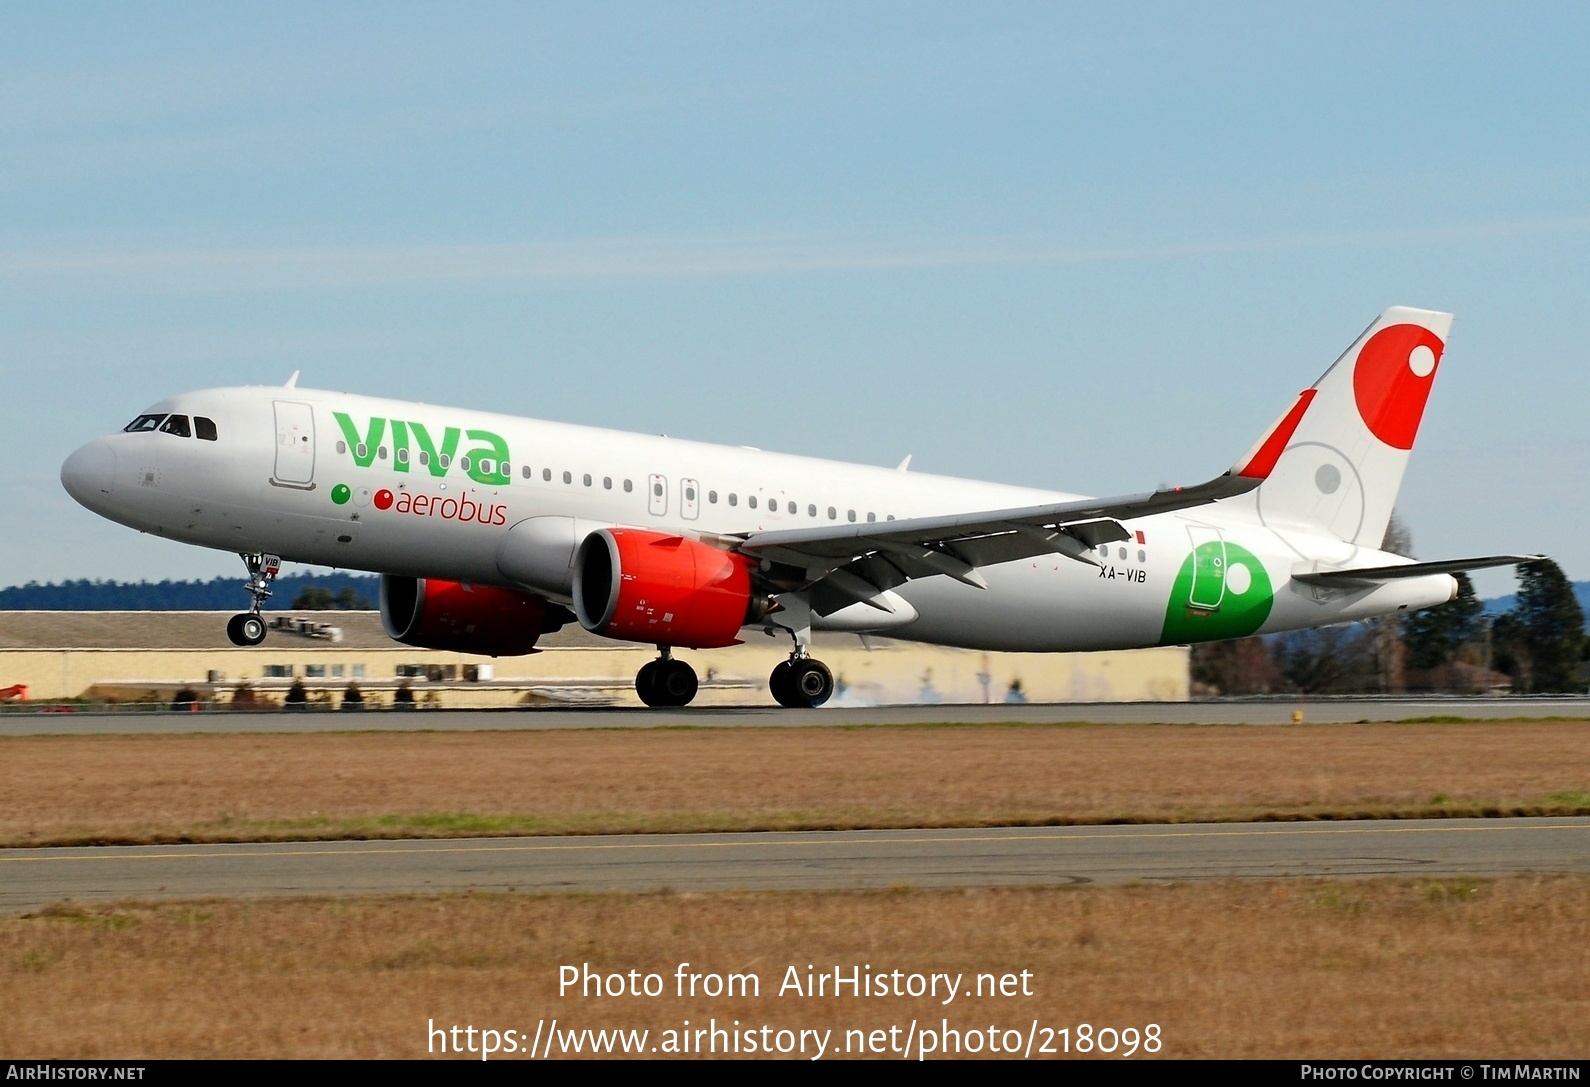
(1209, 568)
(689, 499)
(295, 444)
(657, 494)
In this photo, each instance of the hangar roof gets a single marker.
(53, 630)
(207, 630)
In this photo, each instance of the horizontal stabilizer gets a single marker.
(1370, 574)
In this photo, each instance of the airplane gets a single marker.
(489, 531)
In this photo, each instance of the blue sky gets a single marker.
(1093, 248)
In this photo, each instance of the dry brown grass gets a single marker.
(1286, 969)
(217, 787)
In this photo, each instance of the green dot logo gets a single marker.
(1221, 591)
(340, 494)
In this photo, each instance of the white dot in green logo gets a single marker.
(1239, 579)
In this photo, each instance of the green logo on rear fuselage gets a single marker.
(412, 446)
(1221, 591)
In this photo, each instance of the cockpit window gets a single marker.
(204, 429)
(178, 425)
(143, 423)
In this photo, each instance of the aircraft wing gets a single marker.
(1373, 575)
(844, 564)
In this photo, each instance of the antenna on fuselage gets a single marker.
(905, 465)
(292, 382)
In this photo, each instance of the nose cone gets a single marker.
(89, 473)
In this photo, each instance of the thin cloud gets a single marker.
(657, 258)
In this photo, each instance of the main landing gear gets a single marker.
(801, 682)
(666, 682)
(248, 628)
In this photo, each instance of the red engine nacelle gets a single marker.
(435, 614)
(668, 590)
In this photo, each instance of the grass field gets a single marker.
(62, 790)
(1383, 968)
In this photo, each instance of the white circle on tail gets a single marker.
(1421, 360)
(1239, 579)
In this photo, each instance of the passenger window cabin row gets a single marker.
(175, 425)
(733, 498)
(486, 465)
(791, 507)
(527, 472)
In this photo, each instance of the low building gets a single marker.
(151, 656)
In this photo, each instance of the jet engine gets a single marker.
(435, 614)
(650, 587)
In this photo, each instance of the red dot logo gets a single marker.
(1392, 379)
(383, 499)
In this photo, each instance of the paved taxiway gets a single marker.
(802, 861)
(1219, 711)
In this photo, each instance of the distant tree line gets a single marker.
(1539, 646)
(323, 598)
(293, 591)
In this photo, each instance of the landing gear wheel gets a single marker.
(245, 629)
(646, 683)
(678, 683)
(666, 683)
(802, 683)
(781, 686)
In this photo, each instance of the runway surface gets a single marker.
(30, 878)
(1234, 711)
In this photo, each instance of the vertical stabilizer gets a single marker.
(1336, 457)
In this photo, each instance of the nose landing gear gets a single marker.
(666, 682)
(248, 628)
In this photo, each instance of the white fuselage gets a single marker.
(310, 476)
